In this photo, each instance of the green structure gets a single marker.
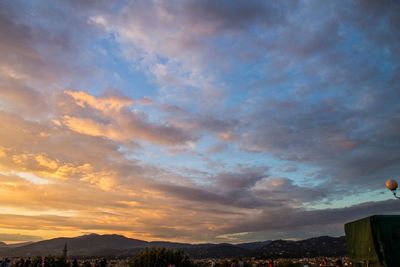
(374, 241)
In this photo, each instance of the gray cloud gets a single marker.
(296, 222)
(225, 15)
(38, 55)
(205, 196)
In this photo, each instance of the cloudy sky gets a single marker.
(197, 121)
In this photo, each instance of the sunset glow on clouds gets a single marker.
(196, 121)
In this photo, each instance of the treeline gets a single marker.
(53, 261)
(37, 261)
(149, 257)
(161, 257)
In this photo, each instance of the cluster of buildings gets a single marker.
(253, 262)
(282, 262)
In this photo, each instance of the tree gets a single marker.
(160, 257)
(49, 261)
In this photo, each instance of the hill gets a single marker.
(313, 247)
(87, 245)
(216, 251)
(254, 245)
(95, 245)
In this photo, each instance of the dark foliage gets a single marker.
(49, 261)
(160, 257)
(313, 247)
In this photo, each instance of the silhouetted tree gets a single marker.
(49, 261)
(160, 257)
(35, 261)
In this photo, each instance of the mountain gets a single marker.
(166, 244)
(254, 245)
(19, 244)
(5, 249)
(95, 245)
(87, 245)
(216, 251)
(313, 247)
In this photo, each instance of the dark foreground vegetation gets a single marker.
(151, 257)
(162, 257)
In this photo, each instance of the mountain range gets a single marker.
(94, 245)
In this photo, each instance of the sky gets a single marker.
(197, 121)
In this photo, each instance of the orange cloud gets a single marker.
(118, 123)
(104, 104)
(91, 127)
(44, 161)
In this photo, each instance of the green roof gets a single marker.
(374, 240)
